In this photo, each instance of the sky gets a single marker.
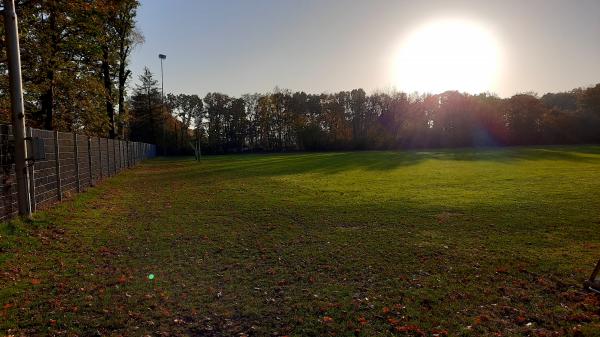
(246, 46)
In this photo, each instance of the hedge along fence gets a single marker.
(66, 163)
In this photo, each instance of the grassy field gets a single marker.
(431, 243)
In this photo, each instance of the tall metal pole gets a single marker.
(162, 78)
(162, 98)
(18, 110)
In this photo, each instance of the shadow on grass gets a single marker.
(337, 162)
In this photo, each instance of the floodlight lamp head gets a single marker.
(162, 56)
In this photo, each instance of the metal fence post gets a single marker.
(76, 156)
(100, 157)
(114, 157)
(122, 146)
(29, 133)
(57, 154)
(120, 155)
(116, 153)
(118, 146)
(107, 158)
(130, 150)
(122, 152)
(90, 159)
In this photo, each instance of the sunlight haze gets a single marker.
(238, 47)
(448, 54)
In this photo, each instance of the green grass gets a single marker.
(463, 242)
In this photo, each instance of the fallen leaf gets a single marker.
(439, 332)
(393, 321)
(409, 328)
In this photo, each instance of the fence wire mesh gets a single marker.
(71, 163)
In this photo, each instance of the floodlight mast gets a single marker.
(11, 29)
(162, 98)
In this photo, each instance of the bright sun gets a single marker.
(448, 55)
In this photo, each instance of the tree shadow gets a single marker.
(513, 154)
(338, 162)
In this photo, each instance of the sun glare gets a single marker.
(448, 55)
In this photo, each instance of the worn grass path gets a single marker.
(457, 242)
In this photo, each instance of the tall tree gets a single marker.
(146, 111)
(188, 109)
(117, 37)
(216, 109)
(69, 61)
(524, 117)
(128, 38)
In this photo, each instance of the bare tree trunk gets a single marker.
(47, 101)
(123, 75)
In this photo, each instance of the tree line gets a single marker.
(74, 56)
(354, 120)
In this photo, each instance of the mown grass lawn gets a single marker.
(424, 243)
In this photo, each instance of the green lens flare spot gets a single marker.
(151, 276)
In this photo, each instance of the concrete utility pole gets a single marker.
(162, 98)
(18, 110)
